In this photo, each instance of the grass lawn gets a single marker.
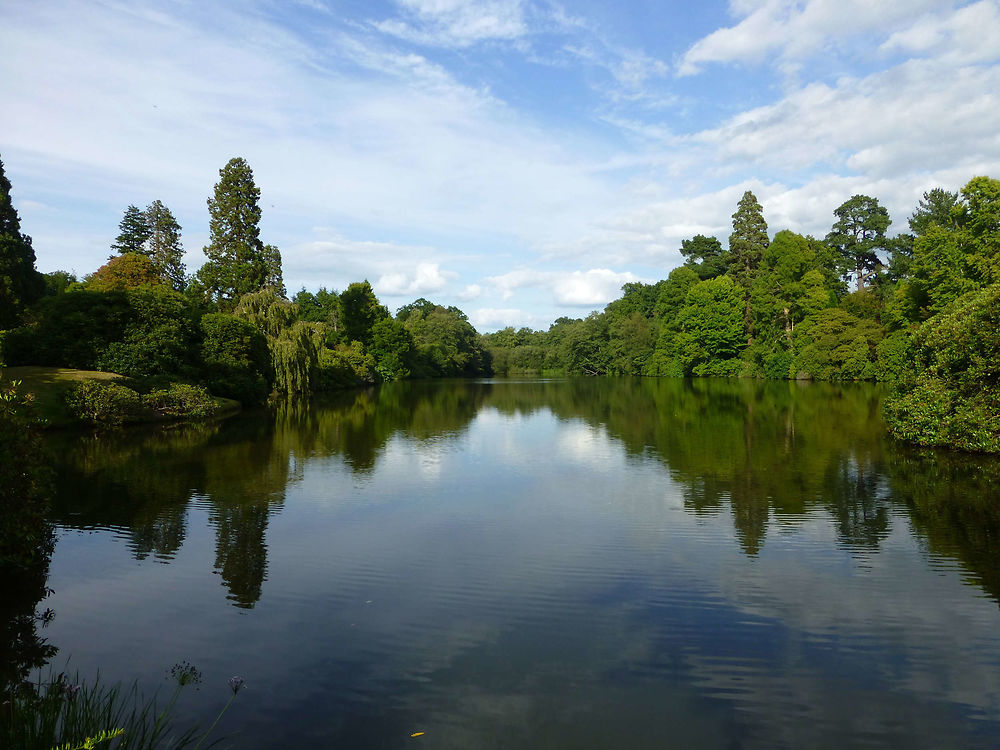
(49, 385)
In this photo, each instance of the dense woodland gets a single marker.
(230, 327)
(918, 310)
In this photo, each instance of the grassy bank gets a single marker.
(49, 387)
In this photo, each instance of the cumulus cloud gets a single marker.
(424, 278)
(493, 318)
(793, 29)
(917, 113)
(471, 292)
(598, 286)
(968, 35)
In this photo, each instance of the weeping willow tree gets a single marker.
(291, 342)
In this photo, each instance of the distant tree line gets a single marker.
(920, 311)
(230, 326)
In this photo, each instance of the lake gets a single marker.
(578, 563)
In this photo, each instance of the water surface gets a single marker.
(592, 563)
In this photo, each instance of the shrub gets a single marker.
(182, 400)
(102, 402)
(236, 360)
(145, 331)
(949, 392)
(344, 367)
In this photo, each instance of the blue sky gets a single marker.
(521, 159)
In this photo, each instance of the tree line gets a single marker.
(231, 326)
(919, 311)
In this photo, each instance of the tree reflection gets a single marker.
(763, 451)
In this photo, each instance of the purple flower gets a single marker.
(72, 690)
(236, 683)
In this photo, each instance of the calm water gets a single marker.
(543, 564)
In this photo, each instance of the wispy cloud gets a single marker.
(456, 23)
(424, 155)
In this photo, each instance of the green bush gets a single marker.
(181, 400)
(832, 344)
(949, 393)
(145, 331)
(344, 367)
(103, 402)
(777, 365)
(893, 355)
(236, 361)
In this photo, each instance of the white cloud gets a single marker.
(520, 278)
(598, 286)
(918, 113)
(969, 35)
(399, 145)
(422, 279)
(471, 292)
(797, 29)
(459, 23)
(492, 318)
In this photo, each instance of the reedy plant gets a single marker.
(66, 715)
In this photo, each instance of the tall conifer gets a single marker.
(133, 231)
(238, 262)
(20, 283)
(164, 244)
(747, 244)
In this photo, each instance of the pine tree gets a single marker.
(747, 244)
(20, 283)
(164, 244)
(133, 231)
(238, 262)
(858, 236)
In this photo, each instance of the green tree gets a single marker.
(238, 262)
(20, 284)
(674, 292)
(164, 245)
(128, 271)
(133, 232)
(948, 393)
(361, 310)
(789, 287)
(936, 207)
(858, 235)
(832, 344)
(747, 244)
(446, 343)
(949, 262)
(706, 256)
(711, 324)
(235, 358)
(291, 342)
(392, 347)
